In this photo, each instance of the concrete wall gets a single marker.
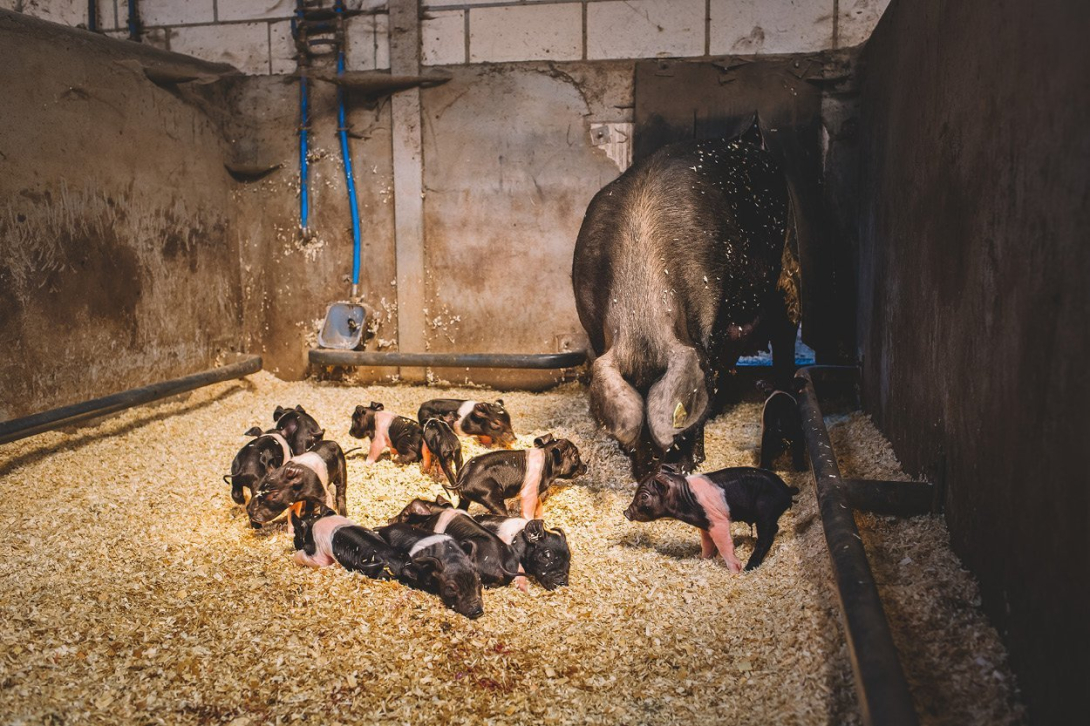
(116, 266)
(974, 301)
(255, 35)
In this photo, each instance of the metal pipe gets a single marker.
(342, 128)
(304, 122)
(374, 359)
(20, 428)
(92, 15)
(134, 22)
(880, 683)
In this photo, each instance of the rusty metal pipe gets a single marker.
(884, 698)
(375, 359)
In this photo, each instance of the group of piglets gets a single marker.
(710, 502)
(430, 545)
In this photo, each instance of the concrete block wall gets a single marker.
(255, 35)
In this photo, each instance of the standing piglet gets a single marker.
(326, 538)
(440, 565)
(442, 447)
(304, 478)
(781, 424)
(298, 427)
(683, 264)
(255, 459)
(491, 479)
(489, 423)
(387, 430)
(712, 501)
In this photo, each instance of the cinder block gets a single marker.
(745, 27)
(526, 32)
(645, 29)
(282, 48)
(243, 45)
(175, 12)
(255, 9)
(857, 20)
(65, 12)
(443, 38)
(368, 43)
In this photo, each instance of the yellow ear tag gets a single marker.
(680, 414)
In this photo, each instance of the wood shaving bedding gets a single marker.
(134, 590)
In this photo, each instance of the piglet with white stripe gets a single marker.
(712, 501)
(304, 478)
(255, 459)
(440, 565)
(491, 479)
(326, 538)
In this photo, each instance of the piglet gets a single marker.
(443, 447)
(387, 430)
(712, 501)
(542, 552)
(781, 424)
(439, 565)
(298, 427)
(304, 478)
(496, 562)
(418, 510)
(492, 478)
(489, 423)
(266, 452)
(326, 538)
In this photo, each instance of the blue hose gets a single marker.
(304, 124)
(342, 128)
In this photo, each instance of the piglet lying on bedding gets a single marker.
(712, 501)
(326, 538)
(440, 565)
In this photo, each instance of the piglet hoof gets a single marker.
(734, 565)
(522, 583)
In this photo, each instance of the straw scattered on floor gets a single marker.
(134, 591)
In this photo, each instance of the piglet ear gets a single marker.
(360, 409)
(557, 455)
(278, 413)
(480, 408)
(499, 402)
(319, 434)
(428, 563)
(535, 530)
(375, 406)
(253, 431)
(299, 408)
(540, 441)
(470, 548)
(442, 501)
(562, 535)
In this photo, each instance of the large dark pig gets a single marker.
(440, 565)
(677, 273)
(304, 478)
(254, 460)
(489, 423)
(712, 501)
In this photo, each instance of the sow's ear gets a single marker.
(679, 399)
(616, 405)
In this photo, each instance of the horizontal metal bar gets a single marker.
(902, 498)
(880, 683)
(376, 359)
(20, 428)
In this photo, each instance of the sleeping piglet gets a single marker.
(326, 538)
(400, 434)
(543, 553)
(712, 501)
(496, 562)
(440, 565)
(304, 478)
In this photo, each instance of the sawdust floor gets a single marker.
(133, 591)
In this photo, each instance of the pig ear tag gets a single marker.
(680, 414)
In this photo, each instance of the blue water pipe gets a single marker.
(134, 22)
(304, 125)
(350, 181)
